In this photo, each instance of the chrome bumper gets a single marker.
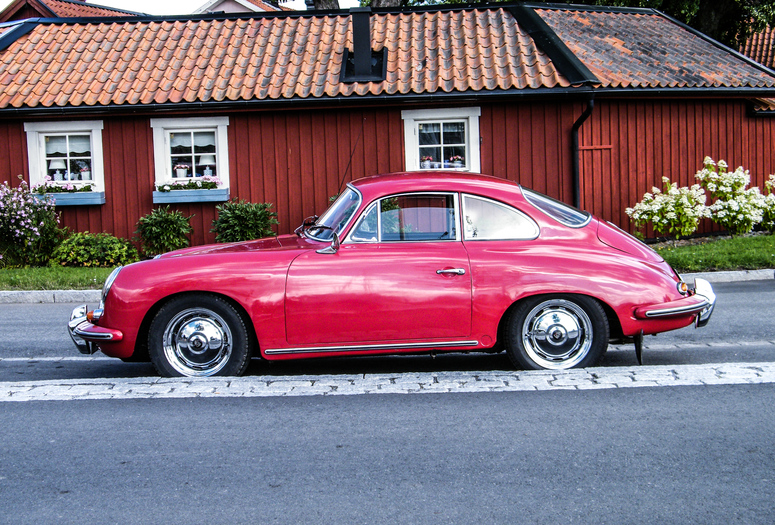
(77, 324)
(705, 290)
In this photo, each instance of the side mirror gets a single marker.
(333, 247)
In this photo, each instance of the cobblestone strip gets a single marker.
(410, 383)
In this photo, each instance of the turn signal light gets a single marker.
(683, 288)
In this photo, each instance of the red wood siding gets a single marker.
(298, 159)
(628, 146)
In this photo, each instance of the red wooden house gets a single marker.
(589, 105)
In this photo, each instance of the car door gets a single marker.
(402, 275)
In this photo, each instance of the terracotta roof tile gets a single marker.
(644, 49)
(484, 49)
(74, 9)
(761, 47)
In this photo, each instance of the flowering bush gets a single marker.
(29, 230)
(49, 186)
(736, 208)
(768, 206)
(205, 183)
(675, 210)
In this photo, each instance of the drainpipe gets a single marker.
(575, 150)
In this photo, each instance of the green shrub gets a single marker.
(768, 205)
(29, 230)
(163, 230)
(94, 250)
(243, 221)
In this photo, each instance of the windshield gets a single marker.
(337, 216)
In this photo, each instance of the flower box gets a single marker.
(81, 198)
(214, 195)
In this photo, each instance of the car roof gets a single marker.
(408, 181)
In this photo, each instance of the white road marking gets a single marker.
(390, 383)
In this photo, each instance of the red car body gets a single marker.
(305, 295)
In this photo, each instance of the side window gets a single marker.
(487, 220)
(442, 139)
(366, 229)
(66, 154)
(418, 217)
(188, 151)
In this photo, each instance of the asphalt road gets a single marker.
(688, 454)
(741, 330)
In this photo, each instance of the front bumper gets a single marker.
(86, 335)
(701, 303)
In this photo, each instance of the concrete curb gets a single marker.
(731, 277)
(92, 297)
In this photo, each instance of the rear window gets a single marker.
(559, 211)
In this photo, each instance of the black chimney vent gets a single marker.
(363, 64)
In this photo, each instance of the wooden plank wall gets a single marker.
(298, 159)
(628, 145)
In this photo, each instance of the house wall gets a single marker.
(628, 145)
(298, 159)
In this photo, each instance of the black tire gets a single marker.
(557, 332)
(199, 335)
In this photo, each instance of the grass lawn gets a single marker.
(715, 254)
(57, 278)
(695, 255)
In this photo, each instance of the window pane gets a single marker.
(180, 142)
(418, 218)
(80, 146)
(204, 142)
(454, 133)
(56, 146)
(366, 229)
(489, 220)
(429, 134)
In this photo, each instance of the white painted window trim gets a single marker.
(414, 117)
(161, 126)
(36, 149)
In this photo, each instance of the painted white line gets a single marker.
(409, 383)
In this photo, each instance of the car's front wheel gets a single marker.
(199, 336)
(557, 333)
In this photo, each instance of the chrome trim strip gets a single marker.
(692, 308)
(348, 348)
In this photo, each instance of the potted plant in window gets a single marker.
(181, 170)
(457, 161)
(425, 162)
(202, 189)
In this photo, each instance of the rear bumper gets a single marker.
(701, 304)
(85, 334)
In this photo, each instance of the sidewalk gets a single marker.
(92, 297)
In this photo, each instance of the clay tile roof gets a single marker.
(267, 58)
(75, 9)
(645, 49)
(760, 46)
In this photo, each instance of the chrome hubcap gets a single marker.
(197, 342)
(557, 334)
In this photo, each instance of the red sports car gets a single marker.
(400, 263)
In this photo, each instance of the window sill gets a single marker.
(85, 198)
(166, 197)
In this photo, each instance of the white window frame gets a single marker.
(161, 148)
(412, 118)
(36, 150)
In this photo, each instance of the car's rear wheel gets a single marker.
(557, 332)
(199, 336)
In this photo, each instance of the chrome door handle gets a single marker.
(455, 271)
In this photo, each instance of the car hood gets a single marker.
(283, 242)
